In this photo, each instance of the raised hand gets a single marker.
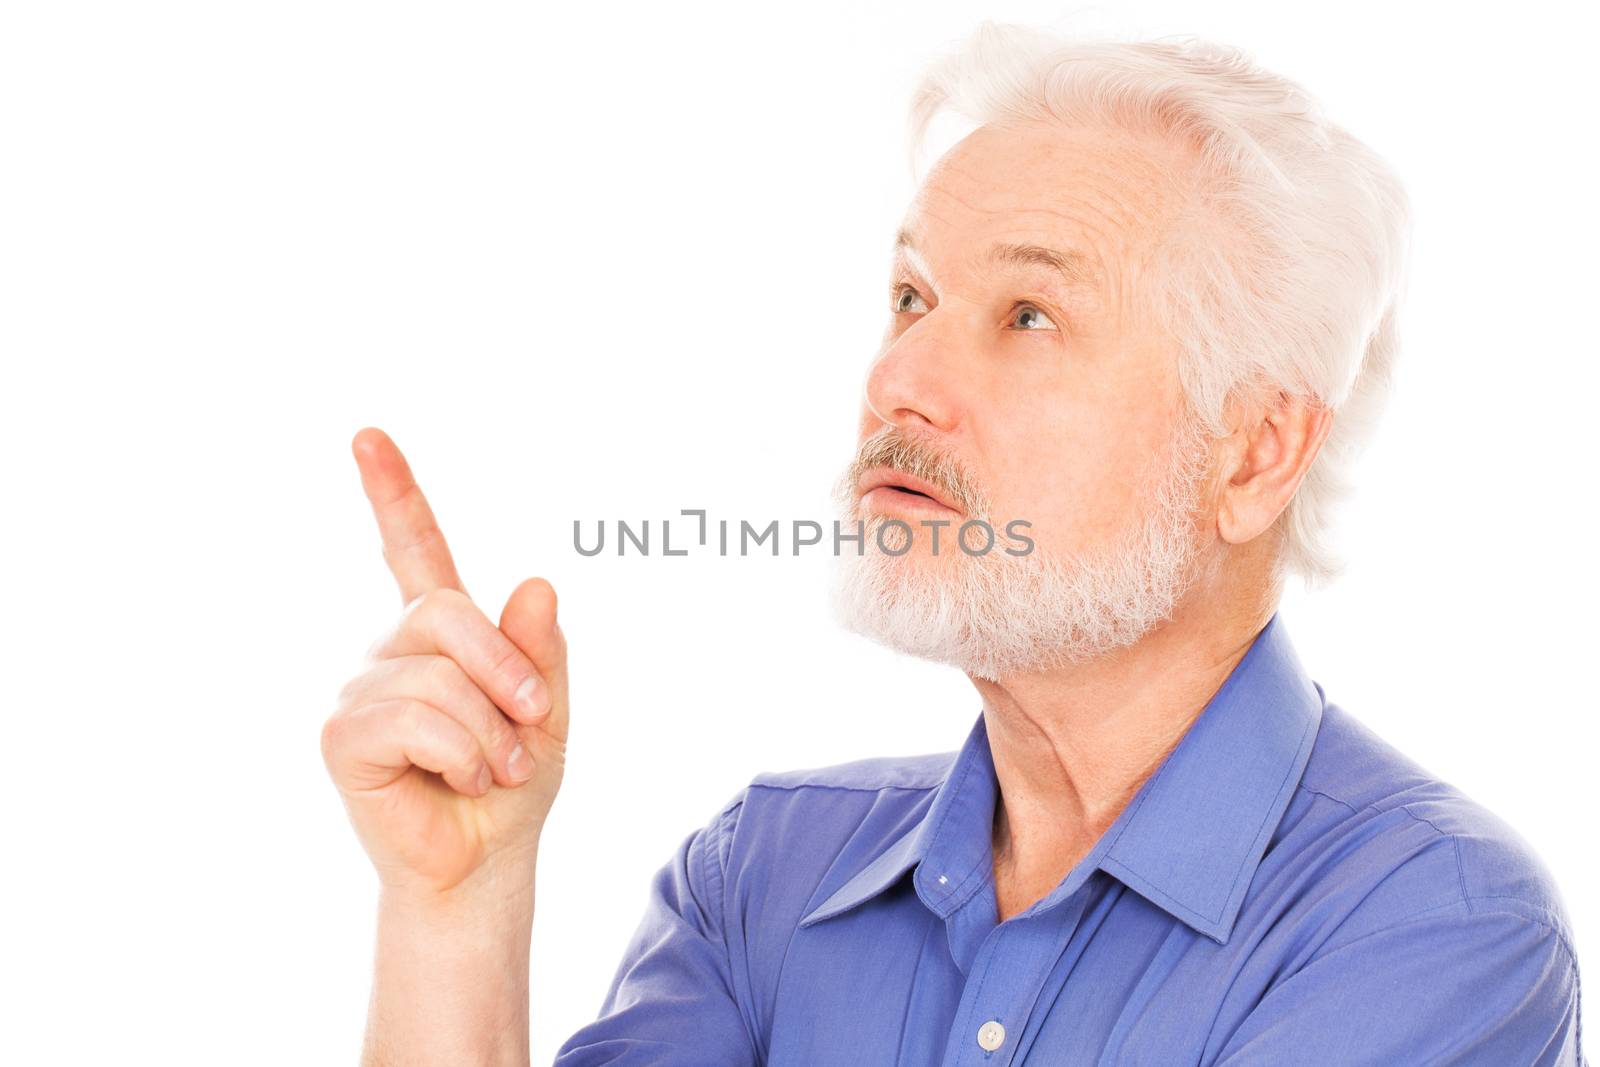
(448, 748)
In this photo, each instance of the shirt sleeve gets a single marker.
(1452, 988)
(673, 1000)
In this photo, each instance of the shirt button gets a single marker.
(991, 1035)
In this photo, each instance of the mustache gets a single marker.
(893, 448)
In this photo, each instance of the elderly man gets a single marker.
(1160, 843)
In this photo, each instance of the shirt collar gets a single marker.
(1190, 838)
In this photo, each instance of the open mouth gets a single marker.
(886, 487)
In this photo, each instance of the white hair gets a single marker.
(1286, 275)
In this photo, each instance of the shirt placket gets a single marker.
(1004, 983)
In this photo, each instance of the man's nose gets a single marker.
(914, 383)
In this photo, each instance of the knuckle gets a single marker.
(357, 685)
(425, 607)
(445, 600)
(439, 611)
(379, 649)
(471, 705)
(414, 607)
(464, 751)
(501, 737)
(505, 658)
(347, 691)
(333, 735)
(425, 536)
(508, 662)
(441, 674)
(456, 691)
(419, 617)
(410, 718)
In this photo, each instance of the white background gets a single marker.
(614, 261)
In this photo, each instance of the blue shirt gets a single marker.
(1285, 889)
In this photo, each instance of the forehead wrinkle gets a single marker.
(1119, 195)
(1113, 204)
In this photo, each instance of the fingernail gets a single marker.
(519, 764)
(484, 779)
(532, 698)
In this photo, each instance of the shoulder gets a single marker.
(1407, 843)
(787, 833)
(877, 774)
(864, 802)
(828, 801)
(781, 816)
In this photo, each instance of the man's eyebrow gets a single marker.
(1074, 267)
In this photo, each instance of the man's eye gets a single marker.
(1031, 317)
(907, 299)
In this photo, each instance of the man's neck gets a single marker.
(1071, 747)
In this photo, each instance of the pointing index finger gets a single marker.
(413, 545)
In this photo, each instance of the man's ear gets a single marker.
(1271, 450)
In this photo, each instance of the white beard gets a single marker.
(999, 614)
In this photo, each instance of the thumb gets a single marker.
(529, 620)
